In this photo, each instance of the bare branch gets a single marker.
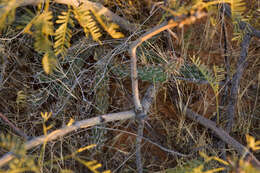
(132, 51)
(67, 129)
(138, 107)
(147, 101)
(223, 135)
(241, 65)
(186, 20)
(140, 131)
(134, 78)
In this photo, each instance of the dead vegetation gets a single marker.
(96, 79)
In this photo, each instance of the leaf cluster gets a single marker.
(41, 26)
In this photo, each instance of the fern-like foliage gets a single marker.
(21, 98)
(205, 71)
(24, 20)
(41, 28)
(109, 27)
(213, 78)
(22, 162)
(44, 28)
(49, 62)
(11, 143)
(7, 12)
(42, 43)
(237, 8)
(44, 24)
(64, 33)
(87, 22)
(252, 143)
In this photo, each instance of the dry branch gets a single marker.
(144, 107)
(147, 101)
(184, 20)
(135, 91)
(254, 32)
(65, 130)
(139, 137)
(132, 51)
(134, 78)
(241, 65)
(223, 135)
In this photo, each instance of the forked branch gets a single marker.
(147, 101)
(184, 20)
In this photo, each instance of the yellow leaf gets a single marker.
(71, 122)
(46, 115)
(251, 143)
(86, 148)
(48, 63)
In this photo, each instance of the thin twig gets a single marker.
(138, 107)
(226, 60)
(242, 24)
(67, 129)
(241, 65)
(173, 152)
(16, 129)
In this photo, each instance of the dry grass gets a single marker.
(86, 85)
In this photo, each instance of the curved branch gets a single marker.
(132, 51)
(184, 20)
